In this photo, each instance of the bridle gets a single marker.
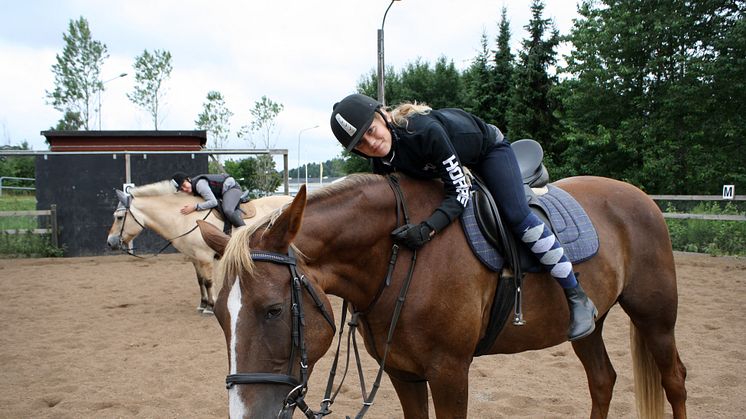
(127, 211)
(295, 398)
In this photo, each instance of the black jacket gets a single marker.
(436, 145)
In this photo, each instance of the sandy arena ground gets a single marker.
(115, 336)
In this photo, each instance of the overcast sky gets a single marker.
(305, 55)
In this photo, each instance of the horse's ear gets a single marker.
(287, 225)
(124, 198)
(213, 236)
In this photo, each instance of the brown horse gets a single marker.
(341, 236)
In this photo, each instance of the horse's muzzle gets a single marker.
(114, 241)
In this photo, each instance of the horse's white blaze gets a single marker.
(236, 407)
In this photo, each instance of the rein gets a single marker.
(401, 212)
(295, 398)
(168, 242)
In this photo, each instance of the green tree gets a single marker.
(263, 124)
(439, 86)
(17, 166)
(354, 163)
(215, 119)
(77, 76)
(257, 175)
(503, 73)
(151, 72)
(655, 93)
(479, 84)
(531, 112)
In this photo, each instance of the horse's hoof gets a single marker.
(208, 312)
(201, 309)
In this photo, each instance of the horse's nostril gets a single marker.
(113, 242)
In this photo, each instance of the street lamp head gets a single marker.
(123, 75)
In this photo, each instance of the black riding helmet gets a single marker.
(178, 178)
(351, 117)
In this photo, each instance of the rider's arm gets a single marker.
(444, 157)
(204, 190)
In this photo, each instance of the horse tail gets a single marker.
(648, 387)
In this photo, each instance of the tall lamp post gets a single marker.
(381, 70)
(299, 133)
(99, 96)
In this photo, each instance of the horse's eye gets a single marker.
(274, 312)
(120, 217)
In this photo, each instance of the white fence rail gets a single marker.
(17, 188)
(718, 217)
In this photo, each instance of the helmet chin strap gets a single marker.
(389, 125)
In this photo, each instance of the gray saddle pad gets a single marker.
(569, 220)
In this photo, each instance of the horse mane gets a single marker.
(354, 180)
(237, 254)
(163, 187)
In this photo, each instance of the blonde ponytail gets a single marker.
(401, 114)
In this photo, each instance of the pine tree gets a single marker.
(502, 74)
(531, 113)
(479, 84)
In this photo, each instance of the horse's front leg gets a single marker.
(412, 396)
(450, 389)
(204, 280)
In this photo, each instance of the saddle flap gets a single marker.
(248, 209)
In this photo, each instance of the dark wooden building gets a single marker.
(84, 168)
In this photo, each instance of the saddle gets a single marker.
(493, 242)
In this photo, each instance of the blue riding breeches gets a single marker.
(499, 171)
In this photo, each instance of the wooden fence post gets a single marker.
(53, 216)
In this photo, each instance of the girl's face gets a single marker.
(186, 186)
(376, 142)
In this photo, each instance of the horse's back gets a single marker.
(263, 207)
(635, 248)
(620, 211)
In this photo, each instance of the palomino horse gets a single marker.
(156, 206)
(275, 315)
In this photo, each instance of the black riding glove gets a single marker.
(413, 236)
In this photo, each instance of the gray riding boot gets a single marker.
(582, 313)
(236, 219)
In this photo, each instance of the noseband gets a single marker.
(298, 343)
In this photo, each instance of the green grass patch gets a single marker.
(23, 243)
(714, 237)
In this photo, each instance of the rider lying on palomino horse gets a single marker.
(213, 187)
(427, 143)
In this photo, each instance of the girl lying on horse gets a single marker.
(211, 188)
(427, 143)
